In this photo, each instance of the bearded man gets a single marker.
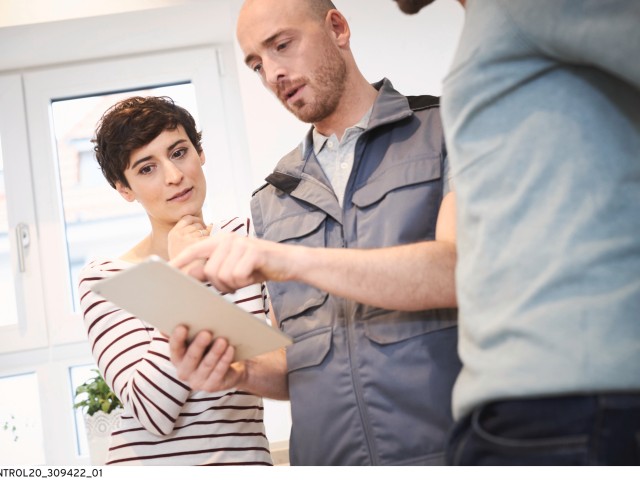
(369, 384)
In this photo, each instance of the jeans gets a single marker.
(572, 430)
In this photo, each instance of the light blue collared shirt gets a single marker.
(336, 157)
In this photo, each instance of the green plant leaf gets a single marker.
(95, 395)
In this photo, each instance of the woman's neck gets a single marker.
(152, 244)
(156, 243)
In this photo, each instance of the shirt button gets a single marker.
(330, 144)
(344, 165)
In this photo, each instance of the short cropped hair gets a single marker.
(319, 8)
(133, 123)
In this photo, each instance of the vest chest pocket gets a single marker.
(404, 198)
(309, 350)
(303, 227)
(387, 326)
(402, 173)
(292, 299)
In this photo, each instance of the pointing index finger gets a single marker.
(199, 250)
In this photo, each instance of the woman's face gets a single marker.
(166, 178)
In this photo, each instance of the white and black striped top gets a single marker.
(165, 422)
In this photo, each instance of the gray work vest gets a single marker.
(368, 386)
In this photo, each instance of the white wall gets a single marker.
(14, 12)
(109, 33)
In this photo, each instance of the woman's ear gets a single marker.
(202, 158)
(126, 192)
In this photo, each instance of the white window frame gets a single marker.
(31, 330)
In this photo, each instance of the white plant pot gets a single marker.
(99, 427)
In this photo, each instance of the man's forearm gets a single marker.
(266, 376)
(418, 276)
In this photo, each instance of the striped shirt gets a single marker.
(164, 421)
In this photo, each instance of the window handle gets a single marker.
(23, 239)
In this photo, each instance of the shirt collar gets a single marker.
(319, 140)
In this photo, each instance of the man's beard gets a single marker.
(413, 6)
(328, 86)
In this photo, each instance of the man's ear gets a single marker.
(126, 192)
(339, 26)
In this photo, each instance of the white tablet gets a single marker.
(164, 297)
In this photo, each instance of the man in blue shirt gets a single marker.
(541, 111)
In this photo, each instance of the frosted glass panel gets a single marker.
(8, 312)
(21, 440)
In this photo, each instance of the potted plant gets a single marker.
(102, 410)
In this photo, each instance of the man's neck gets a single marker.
(357, 99)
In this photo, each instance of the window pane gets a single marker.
(21, 440)
(9, 314)
(80, 374)
(98, 222)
